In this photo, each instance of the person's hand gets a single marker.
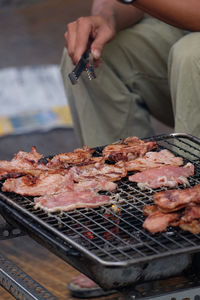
(94, 31)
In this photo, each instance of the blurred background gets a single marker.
(34, 111)
(33, 106)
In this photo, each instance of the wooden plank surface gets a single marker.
(46, 268)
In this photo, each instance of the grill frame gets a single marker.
(69, 248)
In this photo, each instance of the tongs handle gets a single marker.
(84, 64)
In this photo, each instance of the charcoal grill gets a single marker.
(108, 244)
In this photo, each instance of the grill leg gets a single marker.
(181, 290)
(19, 284)
(8, 231)
(190, 294)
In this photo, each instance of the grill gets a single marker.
(108, 243)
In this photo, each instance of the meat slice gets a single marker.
(21, 161)
(191, 212)
(70, 200)
(95, 185)
(152, 160)
(98, 171)
(172, 203)
(78, 156)
(190, 221)
(173, 200)
(191, 226)
(169, 176)
(149, 209)
(128, 149)
(44, 184)
(158, 221)
(32, 156)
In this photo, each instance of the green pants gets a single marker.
(149, 69)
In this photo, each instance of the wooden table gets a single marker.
(46, 268)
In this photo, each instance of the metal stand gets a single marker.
(13, 279)
(8, 232)
(177, 288)
(22, 286)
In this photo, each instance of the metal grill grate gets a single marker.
(113, 234)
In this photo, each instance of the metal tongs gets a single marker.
(86, 63)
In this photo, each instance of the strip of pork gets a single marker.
(173, 200)
(95, 185)
(191, 212)
(44, 184)
(77, 157)
(169, 176)
(192, 226)
(70, 200)
(190, 221)
(152, 160)
(128, 149)
(22, 160)
(149, 209)
(158, 221)
(97, 171)
(50, 183)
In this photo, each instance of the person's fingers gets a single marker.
(103, 35)
(70, 38)
(97, 63)
(83, 33)
(85, 30)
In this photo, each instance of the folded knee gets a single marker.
(186, 52)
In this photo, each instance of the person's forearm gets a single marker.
(180, 13)
(123, 15)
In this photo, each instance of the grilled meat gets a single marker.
(184, 205)
(169, 176)
(80, 156)
(149, 209)
(173, 200)
(22, 160)
(47, 183)
(70, 200)
(95, 185)
(191, 226)
(98, 170)
(72, 180)
(152, 160)
(44, 184)
(128, 149)
(158, 221)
